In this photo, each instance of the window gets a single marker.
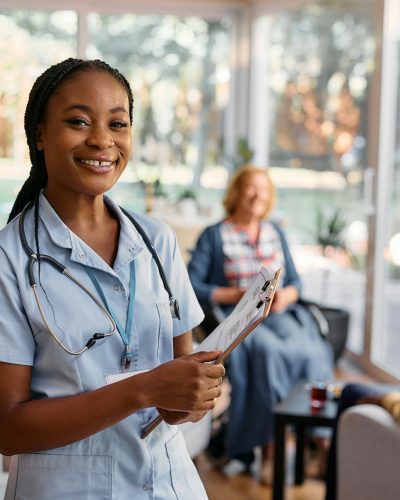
(30, 41)
(179, 71)
(385, 351)
(317, 71)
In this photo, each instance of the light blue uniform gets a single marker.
(115, 463)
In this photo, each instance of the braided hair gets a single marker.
(42, 90)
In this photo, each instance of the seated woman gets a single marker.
(287, 346)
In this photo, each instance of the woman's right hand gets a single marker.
(228, 294)
(188, 383)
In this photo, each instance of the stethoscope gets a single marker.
(36, 257)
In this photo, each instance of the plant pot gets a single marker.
(187, 208)
(333, 324)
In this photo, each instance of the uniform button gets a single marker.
(117, 287)
(81, 255)
(145, 487)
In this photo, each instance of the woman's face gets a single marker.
(86, 135)
(254, 196)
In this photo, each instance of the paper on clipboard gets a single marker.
(252, 308)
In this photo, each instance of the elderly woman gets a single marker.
(287, 346)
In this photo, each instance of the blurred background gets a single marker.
(308, 88)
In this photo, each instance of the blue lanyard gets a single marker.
(125, 333)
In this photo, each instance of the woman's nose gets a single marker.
(100, 137)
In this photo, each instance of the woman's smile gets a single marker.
(98, 166)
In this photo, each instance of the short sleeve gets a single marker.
(17, 344)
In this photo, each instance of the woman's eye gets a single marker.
(119, 124)
(78, 122)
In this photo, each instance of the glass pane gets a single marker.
(179, 71)
(320, 65)
(386, 331)
(30, 41)
(388, 348)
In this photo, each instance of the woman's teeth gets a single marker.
(97, 163)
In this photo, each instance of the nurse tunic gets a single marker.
(115, 463)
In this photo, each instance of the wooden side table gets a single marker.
(296, 411)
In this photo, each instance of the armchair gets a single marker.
(368, 454)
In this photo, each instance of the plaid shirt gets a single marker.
(243, 257)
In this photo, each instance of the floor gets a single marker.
(246, 487)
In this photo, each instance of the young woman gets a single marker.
(88, 328)
(287, 346)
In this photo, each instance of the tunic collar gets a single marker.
(129, 246)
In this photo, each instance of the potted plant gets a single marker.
(333, 322)
(329, 236)
(244, 152)
(242, 156)
(187, 203)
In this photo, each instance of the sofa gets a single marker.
(368, 455)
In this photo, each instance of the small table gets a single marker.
(296, 411)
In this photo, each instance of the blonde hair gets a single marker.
(239, 178)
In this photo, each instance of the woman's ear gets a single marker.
(39, 142)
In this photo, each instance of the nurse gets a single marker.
(72, 415)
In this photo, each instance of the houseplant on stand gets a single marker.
(333, 321)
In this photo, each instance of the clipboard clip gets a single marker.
(267, 298)
(266, 285)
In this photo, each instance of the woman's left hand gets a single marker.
(283, 298)
(180, 417)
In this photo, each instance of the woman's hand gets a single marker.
(180, 417)
(187, 384)
(228, 295)
(283, 298)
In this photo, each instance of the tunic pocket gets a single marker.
(74, 477)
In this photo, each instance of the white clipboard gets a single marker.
(248, 313)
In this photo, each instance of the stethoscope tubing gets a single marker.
(54, 335)
(35, 257)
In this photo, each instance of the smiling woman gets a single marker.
(72, 416)
(86, 147)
